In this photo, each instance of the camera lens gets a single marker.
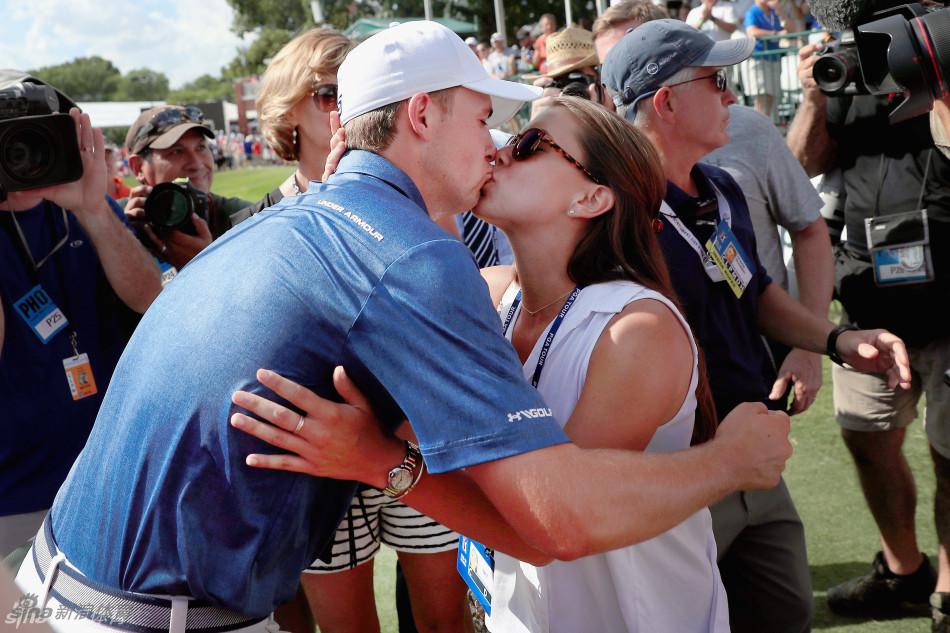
(27, 153)
(169, 208)
(831, 72)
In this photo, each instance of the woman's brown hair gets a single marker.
(622, 243)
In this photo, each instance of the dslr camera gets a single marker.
(38, 145)
(574, 84)
(902, 50)
(170, 205)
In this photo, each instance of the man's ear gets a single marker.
(135, 164)
(421, 112)
(595, 201)
(664, 103)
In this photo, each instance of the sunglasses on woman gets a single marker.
(527, 143)
(324, 97)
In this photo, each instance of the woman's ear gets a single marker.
(594, 202)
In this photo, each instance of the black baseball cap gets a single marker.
(638, 64)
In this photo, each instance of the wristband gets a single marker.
(831, 347)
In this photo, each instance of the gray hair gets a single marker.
(645, 106)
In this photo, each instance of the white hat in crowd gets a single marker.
(414, 57)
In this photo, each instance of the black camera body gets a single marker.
(170, 205)
(574, 84)
(38, 145)
(902, 50)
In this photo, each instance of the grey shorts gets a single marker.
(864, 403)
(374, 518)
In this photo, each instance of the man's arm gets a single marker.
(808, 136)
(874, 351)
(814, 271)
(561, 501)
(131, 272)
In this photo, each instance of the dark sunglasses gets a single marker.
(722, 81)
(324, 97)
(529, 142)
(166, 119)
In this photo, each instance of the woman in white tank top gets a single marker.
(591, 315)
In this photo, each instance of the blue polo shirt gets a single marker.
(351, 273)
(726, 327)
(42, 429)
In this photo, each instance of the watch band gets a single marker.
(831, 347)
(410, 463)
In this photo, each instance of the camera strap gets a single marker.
(43, 316)
(899, 243)
(33, 265)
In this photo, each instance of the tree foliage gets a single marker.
(204, 88)
(142, 84)
(253, 59)
(83, 79)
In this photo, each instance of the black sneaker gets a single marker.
(882, 592)
(940, 602)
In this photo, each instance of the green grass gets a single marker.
(250, 183)
(840, 532)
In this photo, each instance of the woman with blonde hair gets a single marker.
(297, 95)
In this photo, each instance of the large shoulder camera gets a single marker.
(38, 144)
(170, 205)
(903, 50)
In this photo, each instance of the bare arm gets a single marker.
(808, 136)
(876, 351)
(547, 496)
(131, 272)
(814, 270)
(641, 363)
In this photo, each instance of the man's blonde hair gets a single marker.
(290, 77)
(622, 12)
(375, 130)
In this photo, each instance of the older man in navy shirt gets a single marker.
(161, 525)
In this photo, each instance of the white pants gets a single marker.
(64, 620)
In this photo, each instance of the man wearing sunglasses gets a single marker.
(670, 81)
(167, 143)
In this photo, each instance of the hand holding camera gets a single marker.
(68, 169)
(169, 216)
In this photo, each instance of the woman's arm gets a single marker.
(642, 364)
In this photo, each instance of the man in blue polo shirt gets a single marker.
(670, 81)
(161, 525)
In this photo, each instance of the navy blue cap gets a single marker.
(638, 64)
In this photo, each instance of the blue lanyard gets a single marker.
(542, 357)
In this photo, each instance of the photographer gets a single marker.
(167, 143)
(572, 70)
(888, 169)
(70, 271)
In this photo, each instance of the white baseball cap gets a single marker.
(415, 57)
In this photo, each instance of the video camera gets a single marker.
(38, 144)
(900, 50)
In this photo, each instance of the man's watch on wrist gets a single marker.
(831, 347)
(403, 478)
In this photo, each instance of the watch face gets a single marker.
(400, 478)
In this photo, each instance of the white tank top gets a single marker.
(670, 583)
